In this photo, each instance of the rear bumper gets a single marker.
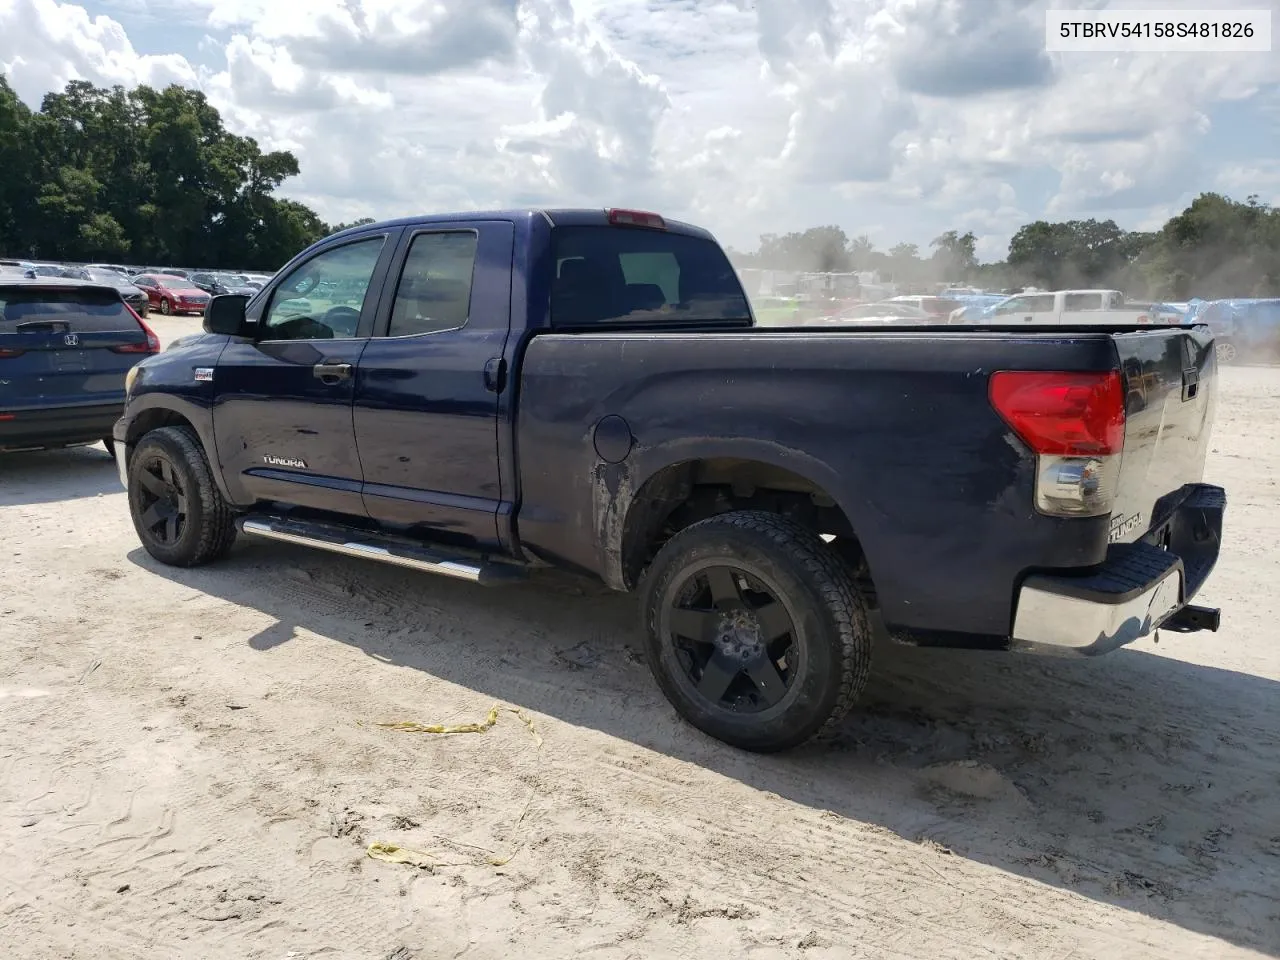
(1139, 587)
(53, 427)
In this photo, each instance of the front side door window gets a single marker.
(322, 299)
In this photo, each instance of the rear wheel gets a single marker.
(178, 512)
(1227, 352)
(756, 633)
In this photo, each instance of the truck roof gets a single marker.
(555, 216)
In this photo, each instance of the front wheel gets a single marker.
(165, 307)
(177, 509)
(1227, 352)
(756, 633)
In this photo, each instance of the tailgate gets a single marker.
(1170, 375)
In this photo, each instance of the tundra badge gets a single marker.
(285, 462)
(1121, 526)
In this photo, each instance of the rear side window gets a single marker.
(84, 311)
(1082, 301)
(434, 292)
(612, 275)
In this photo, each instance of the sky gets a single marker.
(897, 119)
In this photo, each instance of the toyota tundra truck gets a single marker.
(479, 395)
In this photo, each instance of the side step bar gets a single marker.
(359, 543)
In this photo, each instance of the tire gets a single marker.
(165, 307)
(738, 579)
(178, 511)
(1227, 352)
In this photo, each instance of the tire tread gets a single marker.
(825, 570)
(217, 528)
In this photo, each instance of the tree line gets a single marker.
(142, 176)
(151, 176)
(1215, 248)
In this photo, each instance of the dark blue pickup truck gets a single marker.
(476, 395)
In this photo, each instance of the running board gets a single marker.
(358, 543)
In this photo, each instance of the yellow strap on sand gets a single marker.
(413, 726)
(394, 854)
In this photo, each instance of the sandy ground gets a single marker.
(190, 766)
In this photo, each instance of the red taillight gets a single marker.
(1062, 414)
(6, 352)
(636, 218)
(153, 342)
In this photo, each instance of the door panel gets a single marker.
(283, 433)
(425, 409)
(282, 411)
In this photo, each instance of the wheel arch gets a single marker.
(153, 411)
(638, 510)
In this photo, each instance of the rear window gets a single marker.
(621, 275)
(85, 311)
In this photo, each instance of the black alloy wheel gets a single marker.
(162, 499)
(755, 630)
(177, 509)
(734, 638)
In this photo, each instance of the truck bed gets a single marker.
(895, 426)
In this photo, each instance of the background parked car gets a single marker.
(886, 312)
(114, 267)
(172, 294)
(219, 283)
(936, 307)
(65, 347)
(130, 292)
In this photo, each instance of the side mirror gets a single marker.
(225, 315)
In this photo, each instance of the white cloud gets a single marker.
(747, 115)
(45, 44)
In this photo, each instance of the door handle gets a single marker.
(332, 371)
(495, 374)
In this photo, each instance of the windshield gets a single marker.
(607, 275)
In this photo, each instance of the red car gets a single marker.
(170, 294)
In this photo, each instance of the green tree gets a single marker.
(339, 227)
(1216, 248)
(954, 255)
(817, 250)
(148, 175)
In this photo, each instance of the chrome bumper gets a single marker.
(1049, 619)
(1138, 588)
